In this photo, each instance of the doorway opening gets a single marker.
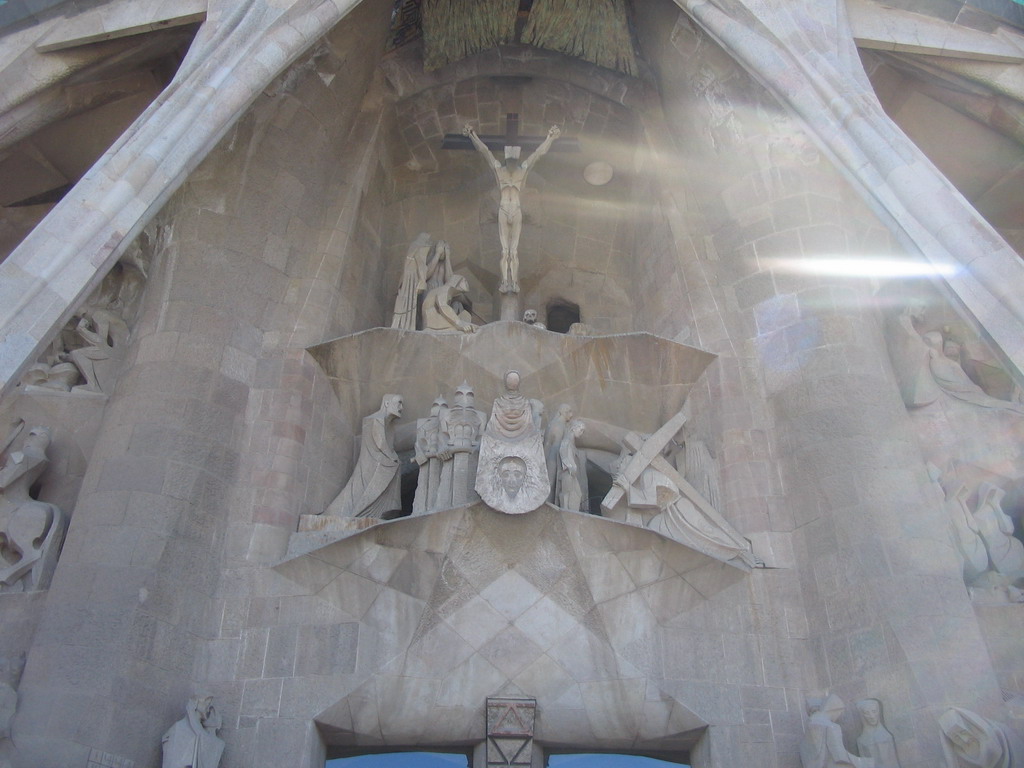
(403, 760)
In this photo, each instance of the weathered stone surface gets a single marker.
(291, 162)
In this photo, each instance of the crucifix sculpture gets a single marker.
(511, 176)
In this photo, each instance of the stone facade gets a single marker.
(270, 194)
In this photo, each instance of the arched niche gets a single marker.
(576, 236)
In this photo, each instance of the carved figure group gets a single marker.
(928, 364)
(655, 491)
(512, 463)
(31, 531)
(93, 344)
(511, 178)
(992, 557)
(428, 273)
(427, 265)
(192, 742)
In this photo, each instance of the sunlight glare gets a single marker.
(843, 266)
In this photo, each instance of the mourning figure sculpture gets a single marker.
(512, 475)
(571, 477)
(374, 490)
(427, 265)
(440, 312)
(511, 178)
(875, 740)
(31, 531)
(822, 746)
(553, 441)
(971, 741)
(192, 742)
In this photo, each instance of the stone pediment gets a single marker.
(589, 615)
(636, 380)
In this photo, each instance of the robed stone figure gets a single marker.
(512, 475)
(374, 490)
(31, 531)
(427, 265)
(461, 428)
(192, 742)
(431, 451)
(822, 746)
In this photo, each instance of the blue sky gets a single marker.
(401, 760)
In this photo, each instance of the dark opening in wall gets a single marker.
(561, 315)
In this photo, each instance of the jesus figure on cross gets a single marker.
(511, 178)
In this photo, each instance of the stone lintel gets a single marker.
(134, 18)
(889, 29)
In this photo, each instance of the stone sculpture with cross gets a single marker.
(511, 177)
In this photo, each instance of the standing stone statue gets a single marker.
(511, 177)
(439, 312)
(461, 427)
(30, 531)
(512, 475)
(875, 740)
(572, 469)
(374, 490)
(192, 742)
(822, 746)
(971, 741)
(431, 451)
(553, 441)
(427, 266)
(701, 470)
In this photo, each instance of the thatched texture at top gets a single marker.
(454, 29)
(594, 30)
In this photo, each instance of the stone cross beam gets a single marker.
(511, 138)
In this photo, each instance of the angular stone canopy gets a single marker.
(635, 380)
(583, 612)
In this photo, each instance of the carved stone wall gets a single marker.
(224, 430)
